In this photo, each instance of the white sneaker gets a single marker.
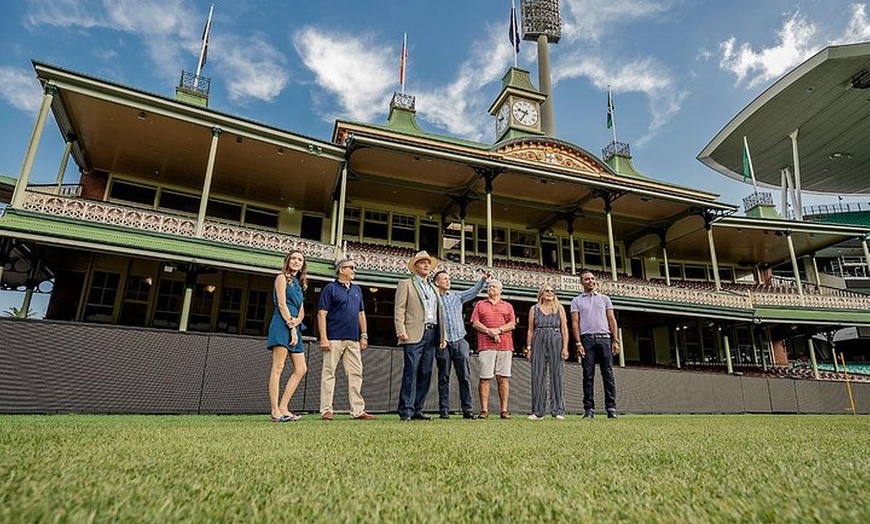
(293, 417)
(560, 417)
(535, 417)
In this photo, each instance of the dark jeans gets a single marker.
(456, 353)
(598, 350)
(417, 373)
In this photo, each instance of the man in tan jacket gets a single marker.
(420, 329)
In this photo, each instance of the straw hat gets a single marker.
(421, 255)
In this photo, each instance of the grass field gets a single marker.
(240, 468)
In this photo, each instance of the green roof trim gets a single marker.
(8, 181)
(157, 243)
(842, 317)
(622, 165)
(404, 122)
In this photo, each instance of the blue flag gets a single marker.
(515, 30)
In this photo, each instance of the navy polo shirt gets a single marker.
(342, 306)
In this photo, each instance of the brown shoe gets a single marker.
(505, 414)
(483, 415)
(327, 416)
(364, 416)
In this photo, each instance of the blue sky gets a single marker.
(680, 69)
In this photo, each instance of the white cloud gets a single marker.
(355, 69)
(593, 19)
(255, 69)
(171, 33)
(858, 29)
(20, 89)
(459, 107)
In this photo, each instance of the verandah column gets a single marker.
(189, 284)
(488, 175)
(794, 264)
(30, 155)
(61, 170)
(342, 200)
(206, 185)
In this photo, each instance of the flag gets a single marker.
(514, 30)
(206, 32)
(609, 109)
(746, 171)
(404, 61)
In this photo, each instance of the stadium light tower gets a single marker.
(543, 24)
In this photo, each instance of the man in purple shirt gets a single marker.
(594, 326)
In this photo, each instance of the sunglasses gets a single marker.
(349, 267)
(549, 291)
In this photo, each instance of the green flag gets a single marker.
(746, 171)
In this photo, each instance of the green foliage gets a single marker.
(19, 312)
(246, 469)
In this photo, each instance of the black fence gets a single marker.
(64, 367)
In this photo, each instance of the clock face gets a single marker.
(525, 113)
(501, 120)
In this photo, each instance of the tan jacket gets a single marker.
(409, 314)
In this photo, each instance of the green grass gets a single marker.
(238, 468)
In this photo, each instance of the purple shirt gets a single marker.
(592, 308)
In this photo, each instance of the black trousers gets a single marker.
(598, 350)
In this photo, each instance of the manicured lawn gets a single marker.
(245, 469)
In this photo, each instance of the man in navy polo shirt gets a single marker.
(594, 324)
(341, 322)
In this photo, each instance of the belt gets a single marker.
(596, 335)
(430, 326)
(550, 328)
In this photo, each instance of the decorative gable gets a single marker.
(552, 153)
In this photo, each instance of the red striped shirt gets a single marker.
(493, 316)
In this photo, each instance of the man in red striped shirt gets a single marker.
(494, 320)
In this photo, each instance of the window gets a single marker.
(229, 211)
(266, 218)
(566, 253)
(229, 315)
(129, 192)
(375, 225)
(726, 274)
(404, 228)
(451, 237)
(607, 256)
(499, 240)
(101, 298)
(167, 309)
(694, 272)
(351, 222)
(255, 319)
(134, 310)
(201, 307)
(176, 201)
(312, 226)
(591, 253)
(524, 244)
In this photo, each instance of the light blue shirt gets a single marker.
(453, 301)
(592, 309)
(429, 296)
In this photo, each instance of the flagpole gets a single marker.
(404, 61)
(749, 161)
(205, 35)
(515, 32)
(611, 112)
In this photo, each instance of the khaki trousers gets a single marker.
(349, 352)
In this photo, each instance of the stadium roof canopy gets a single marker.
(827, 100)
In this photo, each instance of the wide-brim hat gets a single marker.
(421, 255)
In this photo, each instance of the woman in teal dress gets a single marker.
(285, 334)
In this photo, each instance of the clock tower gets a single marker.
(517, 109)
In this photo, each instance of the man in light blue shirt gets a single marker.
(457, 350)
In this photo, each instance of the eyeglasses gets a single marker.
(549, 291)
(352, 268)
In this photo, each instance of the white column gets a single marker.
(342, 201)
(32, 146)
(794, 264)
(334, 224)
(728, 355)
(462, 240)
(63, 162)
(573, 257)
(784, 184)
(667, 269)
(798, 206)
(677, 345)
(206, 185)
(813, 356)
(610, 241)
(866, 254)
(621, 350)
(185, 308)
(713, 258)
(489, 228)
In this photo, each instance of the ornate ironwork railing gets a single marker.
(756, 199)
(616, 148)
(403, 101)
(194, 82)
(147, 220)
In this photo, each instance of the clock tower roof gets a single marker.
(516, 82)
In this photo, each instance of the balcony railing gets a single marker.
(147, 220)
(756, 199)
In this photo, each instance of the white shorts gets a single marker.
(494, 362)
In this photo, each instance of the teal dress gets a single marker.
(279, 333)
